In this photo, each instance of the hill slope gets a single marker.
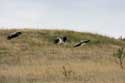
(34, 58)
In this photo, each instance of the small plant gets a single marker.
(120, 55)
(67, 73)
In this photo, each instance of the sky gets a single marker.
(105, 17)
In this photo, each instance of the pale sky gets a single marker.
(105, 17)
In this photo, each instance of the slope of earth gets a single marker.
(34, 58)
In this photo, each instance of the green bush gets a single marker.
(120, 55)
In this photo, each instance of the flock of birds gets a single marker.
(58, 40)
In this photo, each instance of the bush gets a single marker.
(120, 55)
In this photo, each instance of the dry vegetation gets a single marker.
(33, 58)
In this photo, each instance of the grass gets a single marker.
(34, 58)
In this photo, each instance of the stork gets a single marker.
(60, 40)
(81, 43)
(13, 35)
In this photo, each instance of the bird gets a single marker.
(14, 35)
(64, 39)
(81, 43)
(60, 40)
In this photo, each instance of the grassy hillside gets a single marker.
(34, 58)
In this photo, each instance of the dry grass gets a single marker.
(33, 58)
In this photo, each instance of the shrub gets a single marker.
(120, 55)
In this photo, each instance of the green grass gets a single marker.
(34, 58)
